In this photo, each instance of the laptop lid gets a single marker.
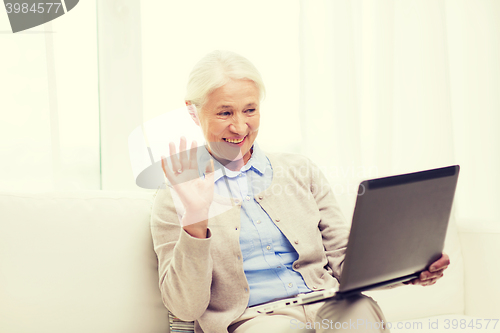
(398, 227)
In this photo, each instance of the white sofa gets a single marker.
(75, 262)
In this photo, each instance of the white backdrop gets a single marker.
(399, 86)
(365, 89)
(49, 106)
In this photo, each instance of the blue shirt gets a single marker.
(268, 256)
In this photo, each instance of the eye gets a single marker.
(224, 113)
(250, 110)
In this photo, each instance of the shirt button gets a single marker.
(277, 220)
(296, 266)
(246, 289)
(279, 266)
(258, 222)
(296, 241)
(240, 175)
(314, 287)
(248, 198)
(290, 285)
(268, 247)
(260, 197)
(236, 201)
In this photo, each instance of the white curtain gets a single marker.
(49, 107)
(389, 87)
(364, 88)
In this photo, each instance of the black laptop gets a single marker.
(398, 230)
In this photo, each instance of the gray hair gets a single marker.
(215, 70)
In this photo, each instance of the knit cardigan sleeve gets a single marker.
(333, 226)
(184, 262)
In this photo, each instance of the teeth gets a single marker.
(234, 141)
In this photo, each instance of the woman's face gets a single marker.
(230, 120)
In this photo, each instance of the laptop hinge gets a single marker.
(347, 293)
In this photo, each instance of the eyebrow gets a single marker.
(230, 107)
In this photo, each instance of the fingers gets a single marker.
(426, 275)
(430, 282)
(209, 171)
(184, 162)
(169, 174)
(209, 168)
(180, 162)
(440, 264)
(426, 278)
(435, 272)
(176, 165)
(193, 157)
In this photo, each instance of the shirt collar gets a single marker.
(256, 162)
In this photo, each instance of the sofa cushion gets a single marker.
(480, 242)
(78, 262)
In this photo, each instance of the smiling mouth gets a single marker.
(234, 140)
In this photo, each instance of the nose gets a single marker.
(238, 125)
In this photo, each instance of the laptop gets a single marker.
(398, 230)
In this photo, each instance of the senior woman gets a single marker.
(281, 234)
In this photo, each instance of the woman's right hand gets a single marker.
(195, 193)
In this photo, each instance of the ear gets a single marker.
(193, 112)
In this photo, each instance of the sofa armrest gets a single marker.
(480, 247)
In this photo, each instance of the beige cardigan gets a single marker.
(203, 279)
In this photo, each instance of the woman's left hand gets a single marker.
(434, 273)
